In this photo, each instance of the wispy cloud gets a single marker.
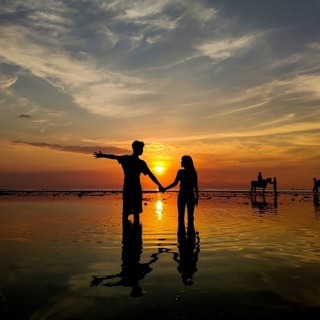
(276, 131)
(41, 42)
(223, 49)
(6, 81)
(98, 91)
(74, 149)
(22, 115)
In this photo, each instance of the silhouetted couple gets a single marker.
(132, 271)
(133, 166)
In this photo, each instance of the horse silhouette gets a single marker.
(263, 184)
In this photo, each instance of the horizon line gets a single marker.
(144, 190)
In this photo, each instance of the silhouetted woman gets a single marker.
(188, 193)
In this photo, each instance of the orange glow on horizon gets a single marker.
(33, 167)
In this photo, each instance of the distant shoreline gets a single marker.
(105, 192)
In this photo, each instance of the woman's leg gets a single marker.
(190, 210)
(181, 209)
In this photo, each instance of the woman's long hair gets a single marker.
(188, 164)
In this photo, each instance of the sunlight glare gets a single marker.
(159, 209)
(159, 169)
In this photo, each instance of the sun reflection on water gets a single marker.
(159, 209)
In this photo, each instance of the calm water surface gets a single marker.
(74, 258)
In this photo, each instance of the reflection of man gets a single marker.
(132, 167)
(132, 270)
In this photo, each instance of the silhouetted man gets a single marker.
(132, 167)
(260, 179)
(275, 186)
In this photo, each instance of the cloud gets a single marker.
(42, 43)
(142, 9)
(22, 115)
(162, 61)
(98, 91)
(95, 68)
(74, 149)
(283, 129)
(223, 49)
(6, 81)
(38, 45)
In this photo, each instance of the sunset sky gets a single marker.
(234, 84)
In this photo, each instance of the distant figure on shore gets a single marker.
(316, 184)
(260, 179)
(263, 184)
(275, 186)
(188, 193)
(132, 167)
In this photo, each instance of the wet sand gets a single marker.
(68, 255)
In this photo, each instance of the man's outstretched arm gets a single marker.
(99, 154)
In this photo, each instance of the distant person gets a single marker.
(188, 193)
(315, 185)
(275, 185)
(132, 167)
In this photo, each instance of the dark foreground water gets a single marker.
(72, 257)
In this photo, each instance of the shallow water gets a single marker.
(72, 257)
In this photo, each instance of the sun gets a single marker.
(159, 169)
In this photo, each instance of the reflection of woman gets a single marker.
(189, 248)
(188, 193)
(132, 271)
